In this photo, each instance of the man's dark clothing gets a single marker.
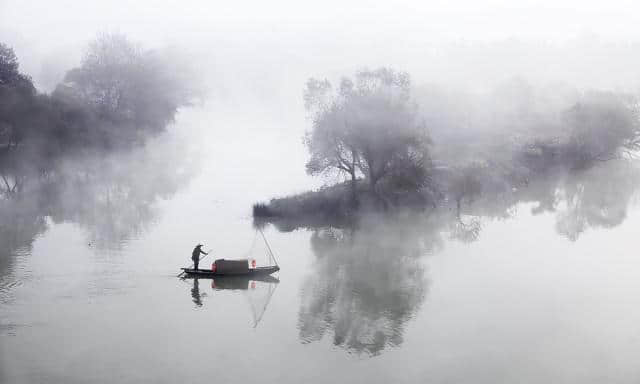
(195, 256)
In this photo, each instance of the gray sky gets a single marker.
(293, 40)
(426, 20)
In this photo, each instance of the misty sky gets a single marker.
(251, 43)
(424, 20)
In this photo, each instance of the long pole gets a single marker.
(193, 265)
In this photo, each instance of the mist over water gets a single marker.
(511, 258)
(507, 280)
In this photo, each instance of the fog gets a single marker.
(451, 190)
(461, 41)
(256, 54)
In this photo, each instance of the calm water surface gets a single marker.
(542, 286)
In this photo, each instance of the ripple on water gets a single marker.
(12, 278)
(10, 329)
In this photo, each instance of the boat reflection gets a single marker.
(257, 289)
(241, 282)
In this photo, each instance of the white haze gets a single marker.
(272, 47)
(521, 304)
(256, 56)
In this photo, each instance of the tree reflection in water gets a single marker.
(365, 286)
(598, 197)
(112, 196)
(368, 279)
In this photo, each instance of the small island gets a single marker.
(390, 146)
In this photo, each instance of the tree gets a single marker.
(600, 125)
(8, 65)
(329, 142)
(369, 126)
(131, 89)
(108, 74)
(17, 99)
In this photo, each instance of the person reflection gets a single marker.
(195, 293)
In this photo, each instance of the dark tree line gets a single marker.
(18, 99)
(118, 96)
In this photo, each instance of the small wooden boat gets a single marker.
(222, 267)
(258, 271)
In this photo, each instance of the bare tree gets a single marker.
(368, 126)
(330, 142)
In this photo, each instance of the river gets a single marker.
(539, 286)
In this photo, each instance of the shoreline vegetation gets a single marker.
(86, 153)
(393, 147)
(118, 97)
(595, 197)
(387, 144)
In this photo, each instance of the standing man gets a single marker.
(195, 255)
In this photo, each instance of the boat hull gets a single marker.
(259, 271)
